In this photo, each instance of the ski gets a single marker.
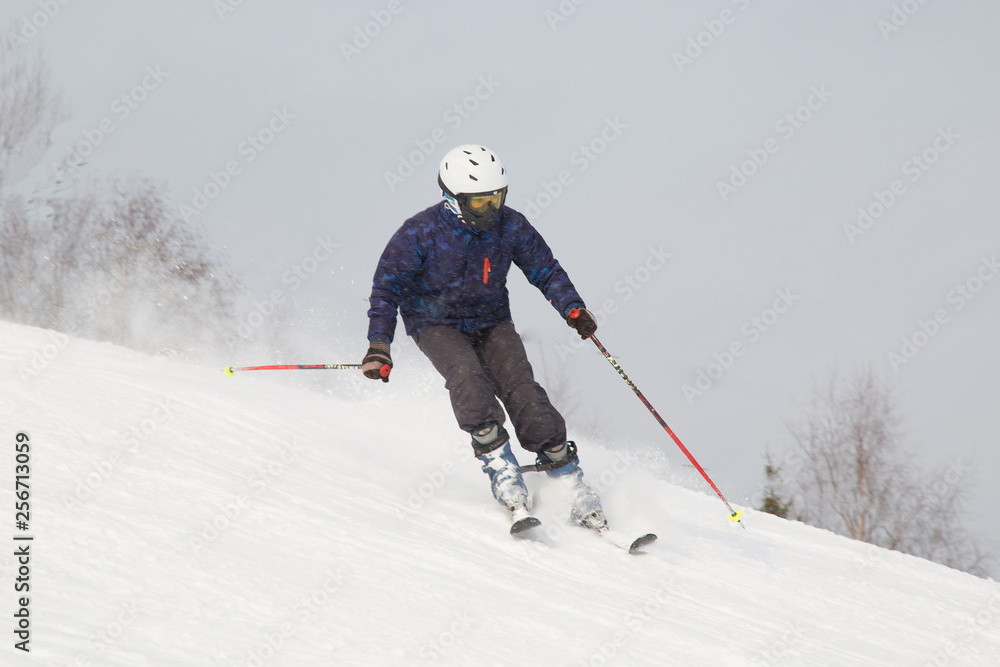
(521, 525)
(523, 521)
(631, 545)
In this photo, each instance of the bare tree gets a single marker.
(17, 261)
(852, 474)
(29, 109)
(101, 258)
(564, 392)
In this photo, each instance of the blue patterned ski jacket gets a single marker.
(439, 271)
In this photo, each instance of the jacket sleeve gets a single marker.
(534, 257)
(400, 261)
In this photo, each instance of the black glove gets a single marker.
(377, 363)
(583, 321)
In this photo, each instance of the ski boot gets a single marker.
(561, 462)
(492, 446)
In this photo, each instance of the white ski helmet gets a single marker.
(474, 182)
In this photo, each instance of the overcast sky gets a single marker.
(805, 184)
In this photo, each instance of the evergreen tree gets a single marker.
(772, 502)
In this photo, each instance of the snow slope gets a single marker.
(654, 188)
(185, 518)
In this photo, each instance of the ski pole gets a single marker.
(734, 515)
(384, 372)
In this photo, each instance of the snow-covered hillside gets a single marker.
(859, 138)
(181, 517)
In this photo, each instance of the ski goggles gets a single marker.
(480, 201)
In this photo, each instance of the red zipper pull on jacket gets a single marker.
(486, 270)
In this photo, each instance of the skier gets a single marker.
(445, 270)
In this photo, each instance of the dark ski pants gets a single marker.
(481, 367)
